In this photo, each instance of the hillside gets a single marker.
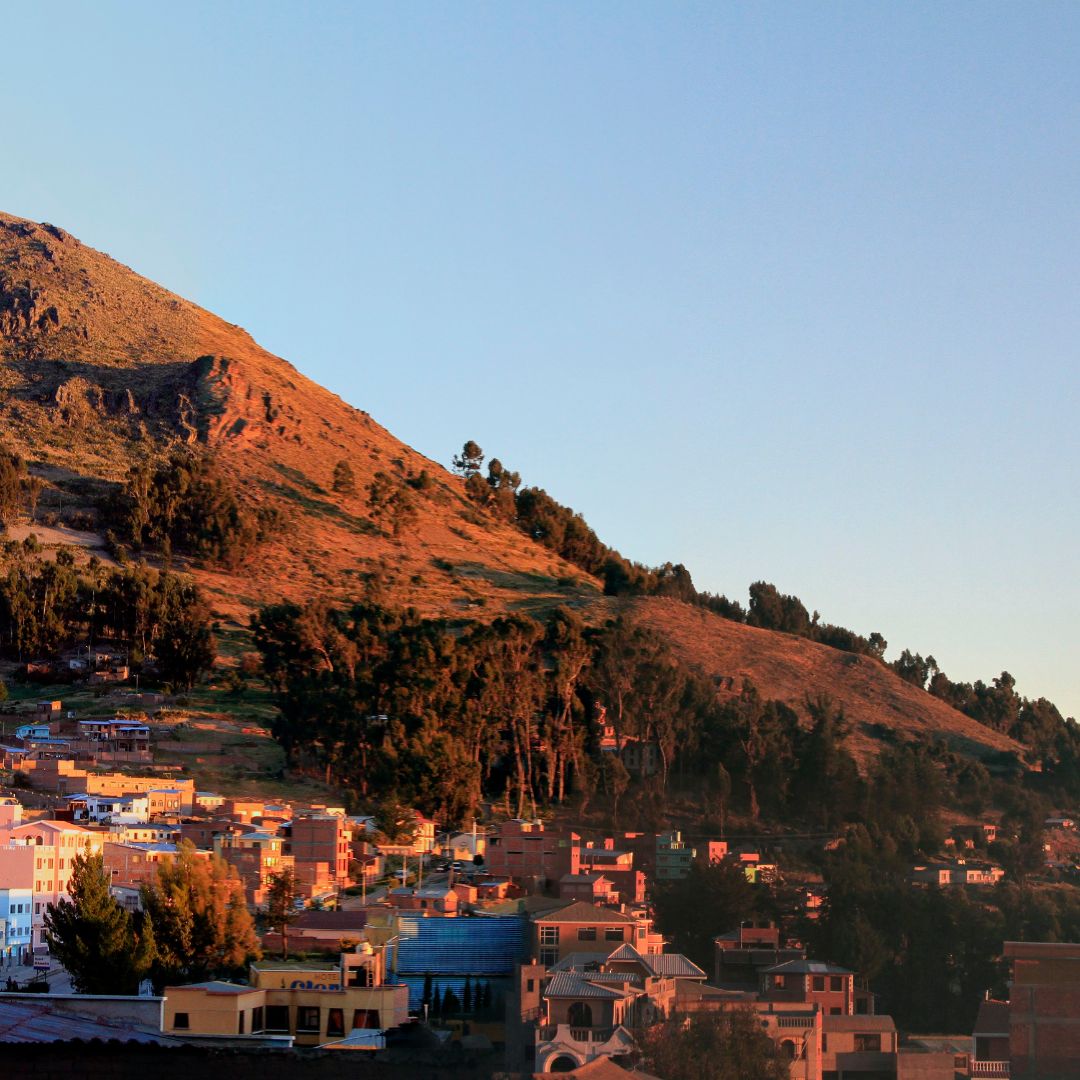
(101, 368)
(788, 668)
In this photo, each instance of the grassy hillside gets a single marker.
(101, 369)
(878, 703)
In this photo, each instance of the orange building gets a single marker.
(587, 928)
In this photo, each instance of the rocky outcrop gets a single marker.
(24, 309)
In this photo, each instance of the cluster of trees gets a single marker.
(50, 604)
(1050, 738)
(19, 490)
(397, 709)
(728, 1045)
(1035, 723)
(187, 504)
(476, 999)
(931, 953)
(194, 925)
(389, 705)
(385, 703)
(566, 532)
(391, 503)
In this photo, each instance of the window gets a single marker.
(307, 1018)
(335, 1022)
(530, 985)
(836, 982)
(819, 982)
(180, 1021)
(277, 1018)
(586, 933)
(613, 933)
(240, 1022)
(867, 1042)
(365, 1018)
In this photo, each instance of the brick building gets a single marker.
(1044, 1007)
(320, 847)
(526, 850)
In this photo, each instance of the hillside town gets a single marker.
(527, 946)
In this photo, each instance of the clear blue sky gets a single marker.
(780, 291)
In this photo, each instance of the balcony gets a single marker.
(804, 1021)
(564, 1033)
(997, 1070)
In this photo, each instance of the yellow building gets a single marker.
(314, 1002)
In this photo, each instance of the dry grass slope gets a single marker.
(789, 669)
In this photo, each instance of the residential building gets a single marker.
(809, 982)
(1044, 1002)
(55, 844)
(135, 863)
(742, 955)
(640, 756)
(591, 888)
(956, 872)
(674, 856)
(257, 855)
(991, 1049)
(16, 918)
(319, 845)
(589, 928)
(10, 812)
(435, 900)
(114, 740)
(618, 867)
(527, 851)
(109, 809)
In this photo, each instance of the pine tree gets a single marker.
(104, 948)
(425, 998)
(281, 911)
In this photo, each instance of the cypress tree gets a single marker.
(467, 996)
(103, 947)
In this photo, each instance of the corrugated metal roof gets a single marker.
(579, 961)
(570, 984)
(675, 966)
(22, 1022)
